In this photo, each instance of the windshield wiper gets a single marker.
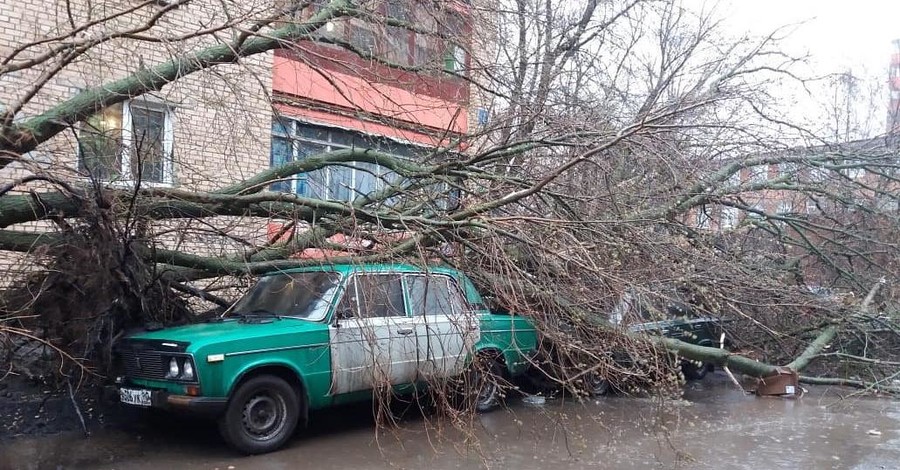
(256, 315)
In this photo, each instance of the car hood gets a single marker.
(203, 334)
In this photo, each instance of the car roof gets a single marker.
(344, 268)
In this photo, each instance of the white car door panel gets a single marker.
(446, 330)
(373, 342)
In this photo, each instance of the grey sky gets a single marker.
(837, 36)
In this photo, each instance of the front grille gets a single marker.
(147, 358)
(142, 364)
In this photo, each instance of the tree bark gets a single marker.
(716, 356)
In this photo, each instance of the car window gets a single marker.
(303, 295)
(434, 295)
(372, 295)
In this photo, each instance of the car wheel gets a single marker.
(693, 371)
(261, 415)
(488, 392)
(597, 385)
(480, 387)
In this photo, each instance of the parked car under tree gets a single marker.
(311, 338)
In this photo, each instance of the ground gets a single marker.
(714, 426)
(31, 409)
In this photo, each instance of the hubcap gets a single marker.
(263, 416)
(487, 390)
(598, 384)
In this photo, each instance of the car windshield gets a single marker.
(299, 295)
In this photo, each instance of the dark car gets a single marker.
(665, 314)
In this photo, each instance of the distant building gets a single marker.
(893, 121)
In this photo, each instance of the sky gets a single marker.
(837, 36)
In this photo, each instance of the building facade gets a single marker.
(389, 88)
(893, 120)
(363, 85)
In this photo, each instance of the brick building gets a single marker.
(215, 127)
(327, 97)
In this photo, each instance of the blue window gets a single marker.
(295, 141)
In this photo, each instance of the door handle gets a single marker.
(405, 331)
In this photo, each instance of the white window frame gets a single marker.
(459, 55)
(702, 220)
(855, 173)
(785, 207)
(729, 217)
(168, 140)
(758, 174)
(127, 177)
(297, 140)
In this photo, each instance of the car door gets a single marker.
(446, 329)
(373, 341)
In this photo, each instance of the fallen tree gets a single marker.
(585, 185)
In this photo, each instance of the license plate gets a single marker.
(134, 397)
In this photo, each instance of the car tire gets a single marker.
(261, 415)
(480, 387)
(489, 386)
(597, 385)
(692, 371)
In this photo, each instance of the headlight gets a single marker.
(173, 369)
(181, 368)
(188, 370)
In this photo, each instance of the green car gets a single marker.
(316, 337)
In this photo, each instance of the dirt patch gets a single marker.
(30, 409)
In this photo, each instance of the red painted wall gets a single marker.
(368, 98)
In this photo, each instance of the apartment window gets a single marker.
(785, 207)
(855, 173)
(702, 218)
(789, 169)
(399, 10)
(454, 58)
(436, 44)
(759, 174)
(130, 141)
(452, 27)
(425, 50)
(812, 206)
(362, 38)
(735, 179)
(294, 140)
(729, 217)
(757, 210)
(818, 174)
(397, 38)
(888, 204)
(396, 45)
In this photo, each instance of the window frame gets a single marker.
(127, 176)
(351, 283)
(729, 218)
(785, 207)
(758, 174)
(290, 129)
(453, 288)
(702, 218)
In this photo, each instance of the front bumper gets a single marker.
(208, 406)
